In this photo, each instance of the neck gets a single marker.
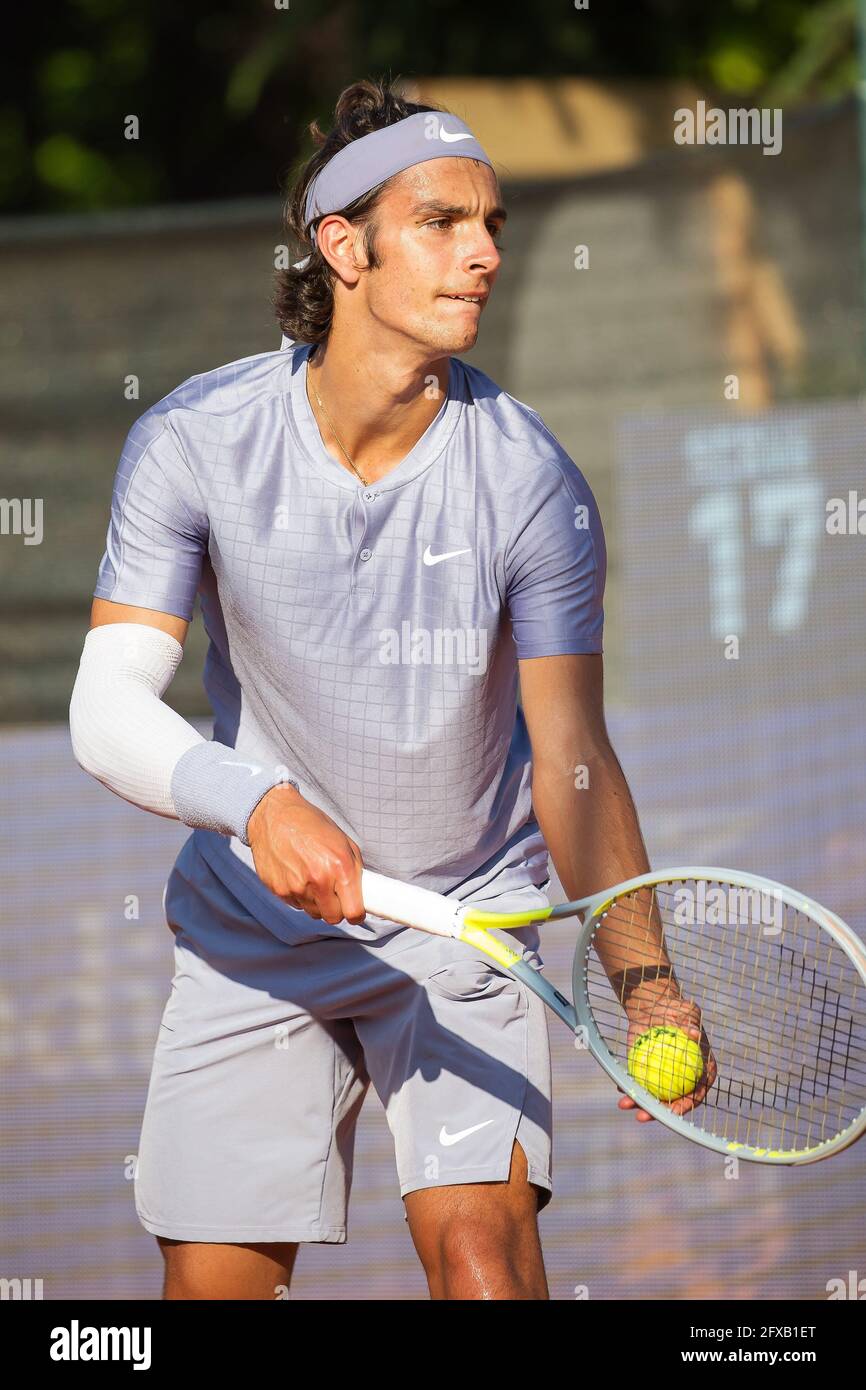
(380, 405)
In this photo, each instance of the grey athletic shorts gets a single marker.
(266, 1051)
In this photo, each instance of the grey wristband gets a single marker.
(214, 788)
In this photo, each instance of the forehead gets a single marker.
(466, 181)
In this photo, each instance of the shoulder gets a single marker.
(524, 452)
(239, 389)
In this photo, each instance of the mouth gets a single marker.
(477, 299)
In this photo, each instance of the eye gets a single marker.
(439, 222)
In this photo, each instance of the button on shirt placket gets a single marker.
(363, 580)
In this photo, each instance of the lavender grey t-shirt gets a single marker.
(365, 638)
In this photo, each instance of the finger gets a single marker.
(329, 905)
(348, 890)
(323, 889)
(306, 905)
(690, 1101)
(307, 900)
(628, 1104)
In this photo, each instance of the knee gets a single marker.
(483, 1258)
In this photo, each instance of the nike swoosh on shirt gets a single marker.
(449, 136)
(253, 767)
(447, 1139)
(431, 559)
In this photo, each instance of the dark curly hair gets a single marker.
(304, 299)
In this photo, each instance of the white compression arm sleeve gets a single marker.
(137, 746)
(122, 733)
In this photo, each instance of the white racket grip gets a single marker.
(408, 905)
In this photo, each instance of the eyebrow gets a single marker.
(454, 210)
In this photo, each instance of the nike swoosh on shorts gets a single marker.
(447, 1139)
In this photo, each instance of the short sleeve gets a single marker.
(556, 565)
(158, 531)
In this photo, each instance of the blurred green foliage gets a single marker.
(222, 89)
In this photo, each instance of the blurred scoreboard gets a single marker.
(743, 558)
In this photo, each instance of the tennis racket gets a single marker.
(769, 984)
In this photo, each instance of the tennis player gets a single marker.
(381, 539)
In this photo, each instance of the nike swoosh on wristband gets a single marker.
(431, 559)
(449, 136)
(446, 1139)
(253, 767)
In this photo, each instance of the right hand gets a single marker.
(304, 857)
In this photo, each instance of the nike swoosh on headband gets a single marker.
(370, 160)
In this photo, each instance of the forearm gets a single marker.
(144, 751)
(594, 838)
(591, 830)
(126, 737)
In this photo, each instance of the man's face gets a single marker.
(437, 233)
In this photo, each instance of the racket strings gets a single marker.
(825, 1001)
(823, 1028)
(782, 1006)
(819, 1026)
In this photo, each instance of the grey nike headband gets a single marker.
(368, 161)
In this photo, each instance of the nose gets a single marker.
(485, 255)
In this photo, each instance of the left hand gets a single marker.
(674, 1012)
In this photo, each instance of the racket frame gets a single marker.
(577, 1015)
(434, 913)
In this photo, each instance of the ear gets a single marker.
(341, 244)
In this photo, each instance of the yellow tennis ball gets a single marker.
(666, 1061)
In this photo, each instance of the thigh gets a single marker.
(459, 1055)
(195, 1271)
(248, 1129)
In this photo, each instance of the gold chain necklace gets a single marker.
(351, 461)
